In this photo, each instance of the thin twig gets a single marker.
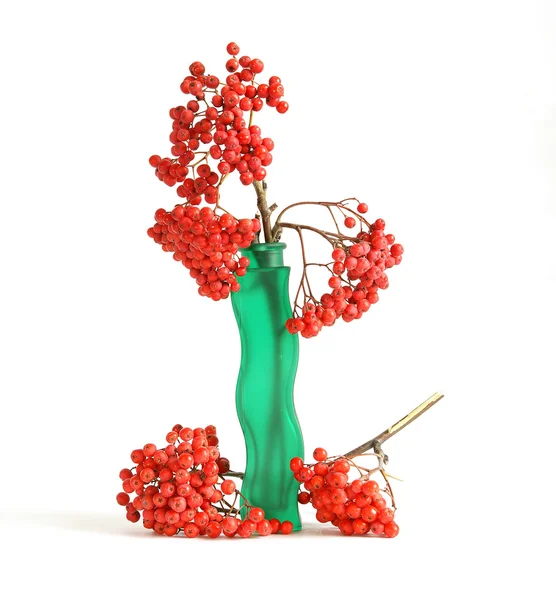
(331, 237)
(334, 219)
(389, 489)
(308, 202)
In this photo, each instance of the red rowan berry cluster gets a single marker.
(355, 507)
(207, 245)
(358, 272)
(181, 487)
(234, 143)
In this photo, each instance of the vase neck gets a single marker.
(265, 255)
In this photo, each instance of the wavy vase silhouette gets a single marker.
(264, 393)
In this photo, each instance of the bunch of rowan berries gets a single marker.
(207, 244)
(181, 487)
(212, 125)
(358, 273)
(355, 508)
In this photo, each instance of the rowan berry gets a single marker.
(286, 527)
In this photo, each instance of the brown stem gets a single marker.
(260, 187)
(309, 202)
(200, 160)
(376, 443)
(389, 489)
(327, 235)
(231, 509)
(342, 207)
(228, 512)
(237, 474)
(334, 219)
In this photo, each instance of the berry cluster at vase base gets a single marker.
(181, 487)
(357, 507)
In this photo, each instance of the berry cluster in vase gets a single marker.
(213, 136)
(181, 487)
(207, 244)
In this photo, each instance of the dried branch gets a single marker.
(260, 187)
(375, 443)
(330, 204)
(329, 236)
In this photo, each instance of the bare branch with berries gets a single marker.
(375, 443)
(211, 127)
(360, 506)
(184, 486)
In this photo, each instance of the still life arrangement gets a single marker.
(185, 484)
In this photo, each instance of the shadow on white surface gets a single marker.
(105, 523)
(115, 524)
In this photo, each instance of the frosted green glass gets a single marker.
(264, 393)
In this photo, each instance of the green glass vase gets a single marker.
(264, 393)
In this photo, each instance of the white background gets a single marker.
(442, 117)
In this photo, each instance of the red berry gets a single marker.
(233, 49)
(370, 488)
(122, 498)
(228, 487)
(264, 527)
(396, 250)
(320, 454)
(133, 516)
(286, 527)
(231, 65)
(391, 529)
(360, 527)
(137, 456)
(369, 513)
(377, 527)
(275, 524)
(346, 526)
(223, 465)
(256, 65)
(336, 480)
(341, 466)
(386, 515)
(250, 525)
(379, 502)
(296, 464)
(125, 474)
(303, 498)
(191, 530)
(230, 524)
(256, 514)
(214, 529)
